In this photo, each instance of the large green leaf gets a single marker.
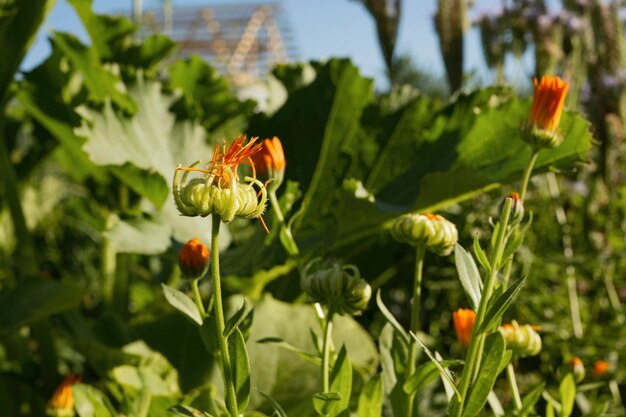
(288, 378)
(362, 161)
(35, 299)
(149, 144)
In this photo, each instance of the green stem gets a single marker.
(474, 350)
(285, 234)
(197, 297)
(527, 172)
(574, 306)
(328, 330)
(227, 373)
(276, 206)
(415, 322)
(510, 374)
(25, 247)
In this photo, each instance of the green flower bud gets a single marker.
(438, 234)
(540, 138)
(522, 340)
(340, 287)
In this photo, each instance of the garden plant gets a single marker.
(167, 248)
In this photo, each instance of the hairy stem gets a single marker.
(415, 319)
(227, 372)
(328, 330)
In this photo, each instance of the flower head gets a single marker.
(438, 234)
(545, 114)
(600, 368)
(193, 259)
(270, 160)
(463, 320)
(62, 402)
(220, 191)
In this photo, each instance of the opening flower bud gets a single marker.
(62, 402)
(340, 287)
(575, 366)
(517, 209)
(463, 320)
(541, 129)
(270, 161)
(438, 234)
(522, 340)
(193, 259)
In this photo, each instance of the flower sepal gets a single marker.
(539, 138)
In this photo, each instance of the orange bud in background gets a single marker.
(62, 402)
(545, 115)
(600, 368)
(193, 259)
(548, 101)
(270, 161)
(464, 320)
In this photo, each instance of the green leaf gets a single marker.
(480, 255)
(323, 402)
(390, 318)
(371, 398)
(91, 402)
(19, 22)
(234, 322)
(488, 373)
(138, 235)
(468, 274)
(438, 364)
(424, 375)
(241, 368)
(529, 401)
(567, 393)
(35, 299)
(145, 183)
(341, 383)
(276, 341)
(103, 85)
(500, 305)
(181, 302)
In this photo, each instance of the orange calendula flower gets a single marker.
(464, 320)
(600, 368)
(193, 258)
(62, 402)
(545, 115)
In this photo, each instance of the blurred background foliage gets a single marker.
(90, 139)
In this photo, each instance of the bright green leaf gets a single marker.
(181, 302)
(567, 393)
(241, 368)
(469, 275)
(500, 305)
(371, 398)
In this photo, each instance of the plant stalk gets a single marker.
(227, 371)
(474, 351)
(510, 374)
(415, 319)
(527, 172)
(197, 297)
(328, 330)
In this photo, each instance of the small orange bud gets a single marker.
(548, 101)
(464, 320)
(193, 259)
(270, 161)
(62, 402)
(577, 367)
(600, 368)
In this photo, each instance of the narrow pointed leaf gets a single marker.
(181, 302)
(480, 255)
(567, 392)
(237, 318)
(502, 303)
(442, 371)
(371, 398)
(241, 368)
(390, 318)
(489, 369)
(469, 275)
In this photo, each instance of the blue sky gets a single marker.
(322, 29)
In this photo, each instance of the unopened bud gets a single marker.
(576, 367)
(62, 402)
(193, 259)
(438, 234)
(600, 368)
(340, 287)
(522, 340)
(463, 320)
(517, 209)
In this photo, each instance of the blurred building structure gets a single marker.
(244, 41)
